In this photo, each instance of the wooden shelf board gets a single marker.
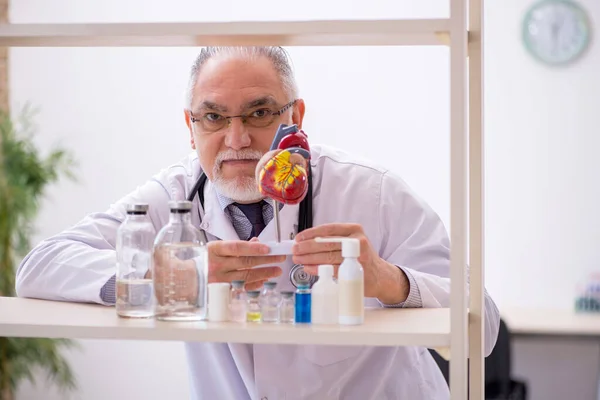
(383, 327)
(283, 33)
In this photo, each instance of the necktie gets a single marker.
(254, 214)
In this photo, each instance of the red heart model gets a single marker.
(284, 178)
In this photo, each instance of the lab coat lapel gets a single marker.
(288, 218)
(215, 222)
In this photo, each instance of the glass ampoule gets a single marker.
(253, 306)
(303, 304)
(269, 301)
(237, 302)
(287, 308)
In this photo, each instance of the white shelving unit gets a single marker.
(461, 327)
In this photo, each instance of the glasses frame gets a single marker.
(244, 117)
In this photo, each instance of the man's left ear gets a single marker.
(188, 122)
(298, 115)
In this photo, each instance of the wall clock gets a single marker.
(556, 32)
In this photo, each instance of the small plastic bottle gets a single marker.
(134, 243)
(303, 304)
(252, 306)
(351, 282)
(237, 302)
(287, 308)
(324, 308)
(269, 301)
(218, 301)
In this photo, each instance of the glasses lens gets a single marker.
(210, 123)
(260, 120)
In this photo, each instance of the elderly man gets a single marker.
(237, 98)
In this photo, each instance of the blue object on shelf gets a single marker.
(303, 304)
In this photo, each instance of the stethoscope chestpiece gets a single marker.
(298, 276)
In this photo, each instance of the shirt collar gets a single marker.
(225, 201)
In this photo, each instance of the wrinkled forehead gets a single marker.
(234, 84)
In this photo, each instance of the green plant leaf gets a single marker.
(25, 174)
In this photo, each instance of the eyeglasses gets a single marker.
(211, 122)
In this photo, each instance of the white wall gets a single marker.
(111, 104)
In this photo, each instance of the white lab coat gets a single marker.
(74, 265)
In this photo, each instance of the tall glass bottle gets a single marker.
(135, 238)
(180, 268)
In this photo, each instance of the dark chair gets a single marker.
(499, 384)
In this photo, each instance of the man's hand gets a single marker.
(227, 261)
(383, 280)
(234, 260)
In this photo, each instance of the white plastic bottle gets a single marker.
(324, 308)
(351, 282)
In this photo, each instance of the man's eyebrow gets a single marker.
(261, 101)
(209, 105)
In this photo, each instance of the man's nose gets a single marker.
(237, 136)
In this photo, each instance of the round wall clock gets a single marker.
(556, 32)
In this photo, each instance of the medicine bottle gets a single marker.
(135, 239)
(351, 283)
(303, 304)
(180, 268)
(287, 308)
(270, 301)
(237, 302)
(252, 306)
(324, 307)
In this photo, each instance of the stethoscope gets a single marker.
(297, 274)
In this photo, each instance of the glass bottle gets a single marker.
(180, 268)
(303, 304)
(286, 309)
(237, 302)
(135, 238)
(252, 306)
(269, 301)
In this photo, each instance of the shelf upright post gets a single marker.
(476, 204)
(458, 200)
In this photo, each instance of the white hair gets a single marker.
(277, 55)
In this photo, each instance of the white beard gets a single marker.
(242, 188)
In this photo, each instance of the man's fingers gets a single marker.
(255, 274)
(224, 265)
(329, 257)
(226, 248)
(328, 230)
(312, 246)
(255, 285)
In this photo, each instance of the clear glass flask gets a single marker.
(252, 306)
(180, 268)
(237, 302)
(287, 309)
(135, 239)
(269, 301)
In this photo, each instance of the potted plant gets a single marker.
(24, 176)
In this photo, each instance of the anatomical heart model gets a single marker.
(282, 173)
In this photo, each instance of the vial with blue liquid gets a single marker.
(303, 304)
